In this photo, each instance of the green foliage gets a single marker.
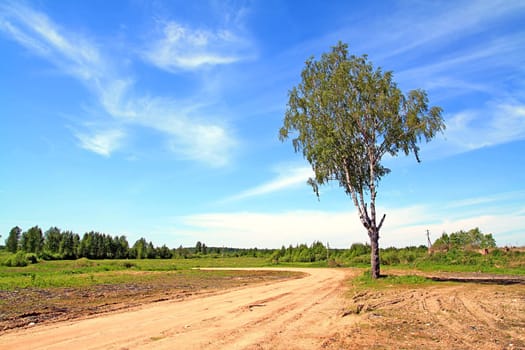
(405, 256)
(52, 238)
(69, 244)
(300, 253)
(145, 250)
(95, 245)
(164, 252)
(20, 259)
(11, 243)
(496, 261)
(345, 115)
(198, 247)
(16, 260)
(56, 245)
(32, 240)
(471, 239)
(357, 249)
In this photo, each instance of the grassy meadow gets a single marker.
(84, 272)
(88, 272)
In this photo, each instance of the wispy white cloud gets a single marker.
(204, 142)
(35, 31)
(181, 47)
(188, 130)
(188, 134)
(489, 70)
(436, 23)
(102, 142)
(287, 177)
(22, 38)
(505, 197)
(495, 124)
(462, 68)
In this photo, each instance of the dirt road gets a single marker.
(305, 313)
(295, 314)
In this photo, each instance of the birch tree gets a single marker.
(345, 116)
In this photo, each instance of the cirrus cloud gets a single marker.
(286, 177)
(180, 47)
(189, 129)
(101, 142)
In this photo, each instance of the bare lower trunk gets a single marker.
(374, 254)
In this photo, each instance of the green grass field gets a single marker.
(84, 272)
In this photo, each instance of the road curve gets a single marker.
(294, 314)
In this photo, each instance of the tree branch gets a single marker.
(381, 222)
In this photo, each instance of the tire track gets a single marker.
(460, 316)
(275, 328)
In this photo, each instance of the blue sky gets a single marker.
(160, 119)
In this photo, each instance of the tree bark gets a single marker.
(374, 255)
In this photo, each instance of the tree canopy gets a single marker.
(472, 238)
(344, 116)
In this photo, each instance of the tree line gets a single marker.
(472, 238)
(55, 244)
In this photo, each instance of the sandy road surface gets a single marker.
(295, 314)
(443, 316)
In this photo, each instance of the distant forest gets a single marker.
(54, 244)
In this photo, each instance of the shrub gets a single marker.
(360, 260)
(358, 249)
(389, 258)
(472, 239)
(407, 257)
(16, 260)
